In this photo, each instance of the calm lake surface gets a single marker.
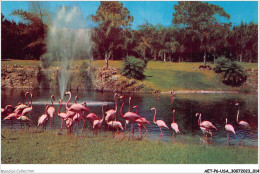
(213, 107)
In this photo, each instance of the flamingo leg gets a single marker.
(146, 130)
(161, 132)
(82, 127)
(50, 123)
(173, 134)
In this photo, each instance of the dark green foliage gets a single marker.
(133, 68)
(232, 73)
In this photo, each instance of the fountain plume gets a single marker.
(68, 39)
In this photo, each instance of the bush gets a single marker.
(232, 73)
(133, 68)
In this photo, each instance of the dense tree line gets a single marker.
(199, 32)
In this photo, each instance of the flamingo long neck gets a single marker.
(31, 100)
(59, 108)
(51, 102)
(199, 120)
(237, 114)
(173, 117)
(46, 109)
(121, 110)
(154, 116)
(103, 115)
(129, 109)
(116, 104)
(67, 104)
(136, 110)
(27, 100)
(76, 99)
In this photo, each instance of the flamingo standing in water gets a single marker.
(115, 124)
(159, 123)
(174, 125)
(243, 124)
(30, 108)
(43, 118)
(141, 122)
(24, 119)
(97, 123)
(229, 128)
(62, 115)
(110, 114)
(130, 116)
(12, 117)
(51, 112)
(205, 126)
(78, 108)
(6, 111)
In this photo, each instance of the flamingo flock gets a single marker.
(79, 112)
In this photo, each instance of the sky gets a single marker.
(155, 12)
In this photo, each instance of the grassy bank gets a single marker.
(166, 75)
(23, 147)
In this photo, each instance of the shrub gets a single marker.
(232, 73)
(133, 68)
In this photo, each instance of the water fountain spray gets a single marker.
(68, 39)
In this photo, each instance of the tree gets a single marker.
(112, 18)
(197, 18)
(35, 32)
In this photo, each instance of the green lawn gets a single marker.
(23, 147)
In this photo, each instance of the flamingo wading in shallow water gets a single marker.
(243, 124)
(205, 126)
(141, 122)
(28, 109)
(42, 120)
(229, 128)
(51, 112)
(97, 123)
(110, 114)
(159, 123)
(130, 116)
(62, 115)
(174, 125)
(78, 108)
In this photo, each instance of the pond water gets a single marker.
(213, 107)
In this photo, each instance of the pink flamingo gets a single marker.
(141, 122)
(130, 116)
(62, 115)
(43, 118)
(110, 114)
(115, 124)
(159, 123)
(12, 117)
(205, 126)
(24, 119)
(97, 123)
(243, 124)
(229, 128)
(174, 125)
(51, 112)
(70, 114)
(30, 108)
(6, 111)
(78, 108)
(20, 107)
